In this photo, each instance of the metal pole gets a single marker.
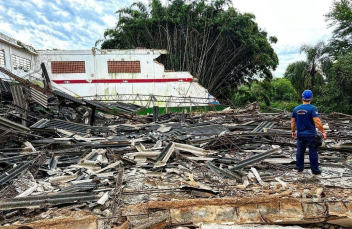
(92, 117)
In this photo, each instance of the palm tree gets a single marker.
(316, 55)
(299, 76)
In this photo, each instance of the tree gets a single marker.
(277, 93)
(336, 95)
(283, 90)
(308, 74)
(221, 47)
(340, 18)
(316, 55)
(254, 91)
(243, 96)
(263, 91)
(273, 39)
(298, 74)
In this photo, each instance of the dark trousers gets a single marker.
(302, 143)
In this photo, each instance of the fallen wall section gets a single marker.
(265, 210)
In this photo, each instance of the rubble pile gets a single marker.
(73, 163)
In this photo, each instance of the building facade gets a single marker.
(19, 58)
(98, 72)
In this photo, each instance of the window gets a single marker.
(124, 67)
(62, 67)
(21, 63)
(2, 58)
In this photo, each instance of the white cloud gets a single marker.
(110, 20)
(88, 4)
(293, 22)
(41, 16)
(285, 60)
(39, 3)
(6, 26)
(77, 24)
(69, 24)
(68, 27)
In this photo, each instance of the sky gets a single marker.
(78, 24)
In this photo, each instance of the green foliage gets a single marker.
(298, 75)
(283, 90)
(330, 81)
(308, 74)
(279, 93)
(22, 46)
(273, 40)
(332, 94)
(336, 95)
(263, 91)
(243, 96)
(218, 45)
(340, 18)
(316, 56)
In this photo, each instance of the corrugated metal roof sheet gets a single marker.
(23, 81)
(125, 107)
(263, 125)
(68, 97)
(96, 104)
(75, 127)
(12, 125)
(39, 97)
(207, 129)
(18, 96)
(4, 86)
(40, 124)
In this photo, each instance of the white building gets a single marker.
(16, 56)
(101, 72)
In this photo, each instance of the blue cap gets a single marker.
(307, 95)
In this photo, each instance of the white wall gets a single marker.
(96, 62)
(18, 51)
(97, 70)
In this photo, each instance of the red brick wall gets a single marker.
(61, 67)
(124, 67)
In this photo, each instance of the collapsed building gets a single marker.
(105, 74)
(76, 162)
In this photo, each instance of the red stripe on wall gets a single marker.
(125, 81)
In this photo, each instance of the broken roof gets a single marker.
(17, 44)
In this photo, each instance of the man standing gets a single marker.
(306, 118)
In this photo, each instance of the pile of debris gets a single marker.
(74, 163)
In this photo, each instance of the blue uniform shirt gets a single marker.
(304, 114)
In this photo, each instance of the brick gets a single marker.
(62, 67)
(124, 67)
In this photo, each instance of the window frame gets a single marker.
(19, 62)
(2, 58)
